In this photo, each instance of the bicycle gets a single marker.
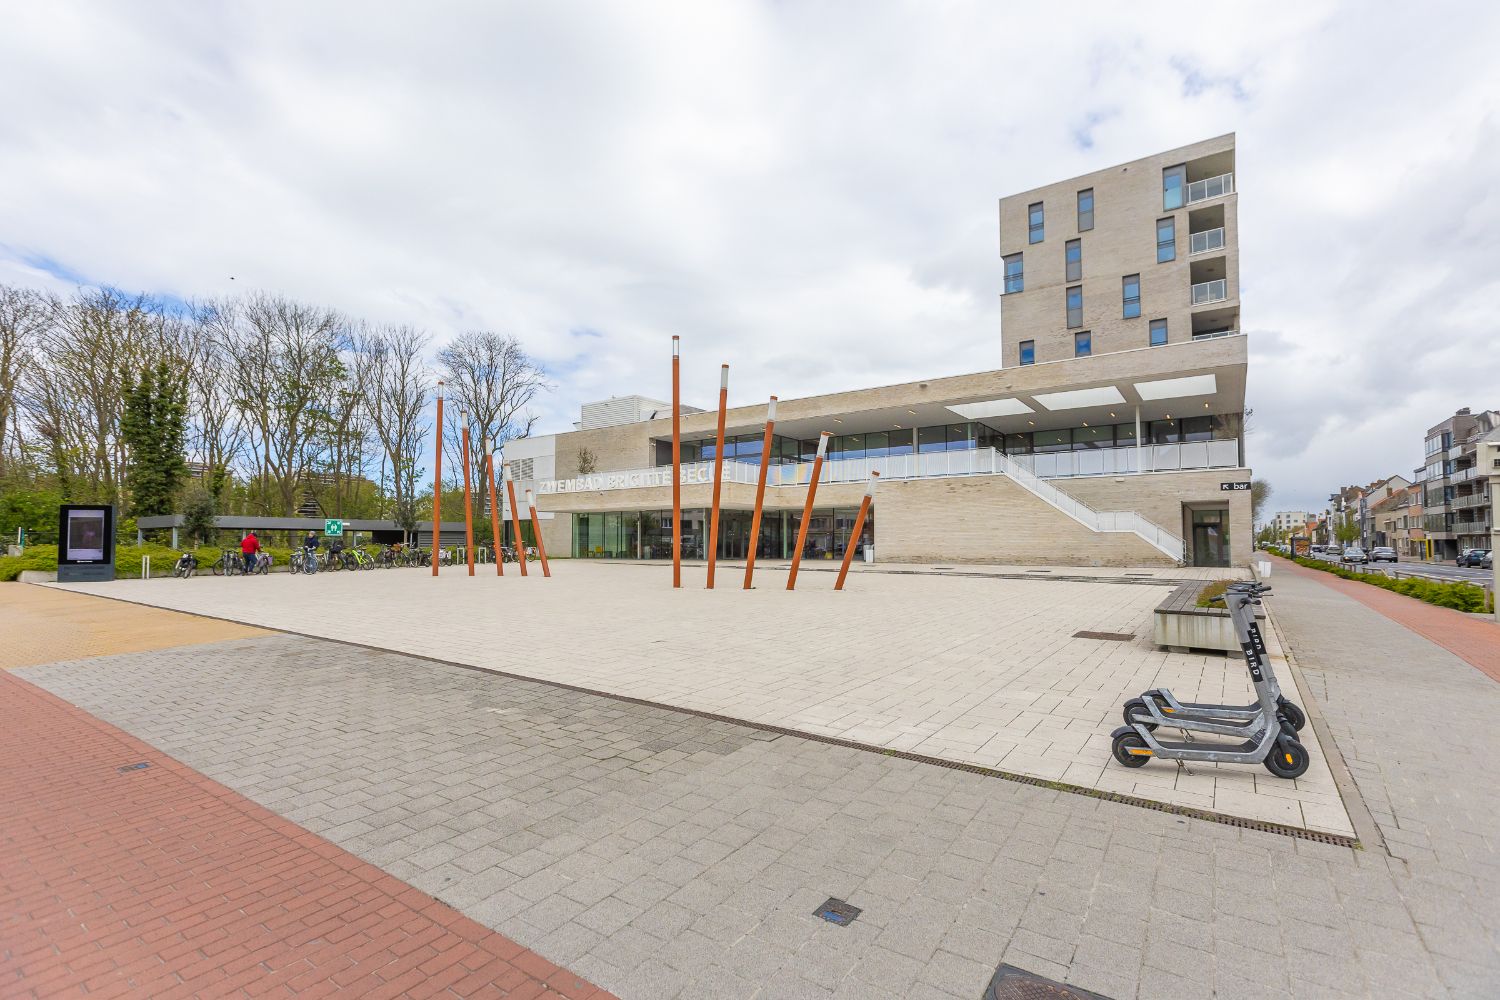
(303, 561)
(362, 559)
(231, 563)
(187, 566)
(263, 561)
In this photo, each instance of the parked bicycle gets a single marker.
(231, 563)
(303, 560)
(187, 566)
(263, 563)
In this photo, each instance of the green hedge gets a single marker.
(1458, 596)
(128, 559)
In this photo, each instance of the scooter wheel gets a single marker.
(1288, 759)
(1293, 713)
(1125, 742)
(1133, 706)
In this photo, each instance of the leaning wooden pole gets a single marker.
(489, 471)
(676, 462)
(807, 509)
(515, 516)
(713, 519)
(536, 529)
(760, 491)
(468, 499)
(859, 525)
(437, 485)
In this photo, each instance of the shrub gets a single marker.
(1464, 597)
(1211, 592)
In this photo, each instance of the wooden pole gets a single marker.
(489, 471)
(468, 499)
(536, 529)
(437, 484)
(515, 516)
(859, 525)
(713, 521)
(760, 491)
(812, 491)
(676, 463)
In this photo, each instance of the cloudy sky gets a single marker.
(806, 190)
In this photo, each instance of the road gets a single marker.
(1437, 570)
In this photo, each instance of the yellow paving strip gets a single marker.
(44, 625)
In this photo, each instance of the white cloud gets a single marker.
(805, 190)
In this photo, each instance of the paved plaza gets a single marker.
(976, 666)
(660, 855)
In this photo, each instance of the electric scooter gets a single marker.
(1268, 739)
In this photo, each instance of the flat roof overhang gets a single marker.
(1177, 380)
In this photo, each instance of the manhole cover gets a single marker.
(134, 767)
(836, 911)
(1107, 636)
(1011, 983)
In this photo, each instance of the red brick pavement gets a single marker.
(162, 883)
(1473, 640)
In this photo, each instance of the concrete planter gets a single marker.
(38, 576)
(1200, 628)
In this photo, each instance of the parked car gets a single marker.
(1382, 553)
(1489, 560)
(1355, 554)
(1472, 557)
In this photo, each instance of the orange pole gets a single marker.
(760, 491)
(676, 463)
(515, 517)
(713, 522)
(468, 501)
(489, 471)
(437, 485)
(812, 491)
(859, 525)
(536, 529)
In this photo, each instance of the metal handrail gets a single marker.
(1210, 187)
(1211, 291)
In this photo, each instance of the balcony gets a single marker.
(1206, 292)
(1210, 187)
(1472, 500)
(1209, 239)
(1215, 334)
(1471, 527)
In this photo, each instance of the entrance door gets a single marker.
(734, 534)
(1210, 538)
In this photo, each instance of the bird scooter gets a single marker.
(1266, 738)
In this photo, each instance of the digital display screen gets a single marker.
(87, 530)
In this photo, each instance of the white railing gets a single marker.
(1210, 187)
(1129, 459)
(1209, 239)
(1211, 291)
(1215, 334)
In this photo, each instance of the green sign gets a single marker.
(333, 527)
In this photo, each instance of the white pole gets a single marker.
(1140, 448)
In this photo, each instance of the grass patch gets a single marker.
(1466, 597)
(1212, 592)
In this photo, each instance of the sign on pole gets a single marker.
(333, 527)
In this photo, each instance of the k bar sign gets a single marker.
(1234, 487)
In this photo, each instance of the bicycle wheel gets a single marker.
(219, 568)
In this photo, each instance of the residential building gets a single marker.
(1289, 522)
(1368, 496)
(1110, 432)
(1397, 518)
(1456, 498)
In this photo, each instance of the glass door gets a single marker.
(1210, 538)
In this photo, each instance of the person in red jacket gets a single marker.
(249, 547)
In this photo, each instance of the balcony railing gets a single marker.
(1209, 239)
(1210, 291)
(1473, 500)
(971, 462)
(1471, 527)
(1215, 334)
(1210, 187)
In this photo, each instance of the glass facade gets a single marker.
(647, 534)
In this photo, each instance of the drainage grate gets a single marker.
(942, 567)
(1140, 574)
(1011, 983)
(1038, 571)
(1109, 636)
(134, 767)
(836, 911)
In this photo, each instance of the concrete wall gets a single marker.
(1160, 496)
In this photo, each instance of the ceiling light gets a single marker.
(1085, 423)
(912, 412)
(992, 408)
(837, 420)
(898, 427)
(1031, 422)
(1173, 388)
(1111, 412)
(1205, 406)
(1076, 399)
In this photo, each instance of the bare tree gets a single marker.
(492, 378)
(23, 314)
(217, 418)
(397, 385)
(287, 371)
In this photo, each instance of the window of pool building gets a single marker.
(647, 534)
